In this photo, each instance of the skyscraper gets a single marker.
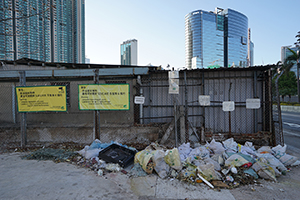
(285, 53)
(129, 52)
(45, 30)
(216, 39)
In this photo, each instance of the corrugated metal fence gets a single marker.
(155, 118)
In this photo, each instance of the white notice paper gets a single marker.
(228, 105)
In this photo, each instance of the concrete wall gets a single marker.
(83, 135)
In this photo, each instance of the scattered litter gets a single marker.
(233, 170)
(219, 184)
(113, 167)
(100, 172)
(205, 181)
(229, 178)
(137, 171)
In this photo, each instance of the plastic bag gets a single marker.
(273, 162)
(172, 158)
(216, 147)
(208, 172)
(160, 166)
(286, 159)
(236, 160)
(198, 153)
(184, 151)
(246, 150)
(265, 161)
(218, 158)
(264, 149)
(250, 145)
(211, 161)
(89, 153)
(113, 167)
(230, 145)
(264, 171)
(279, 148)
(251, 172)
(144, 158)
(92, 153)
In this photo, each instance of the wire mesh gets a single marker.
(171, 118)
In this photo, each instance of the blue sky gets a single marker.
(158, 25)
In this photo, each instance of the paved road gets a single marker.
(291, 128)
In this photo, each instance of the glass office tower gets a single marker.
(285, 53)
(45, 30)
(216, 39)
(129, 52)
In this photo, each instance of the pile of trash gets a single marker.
(227, 162)
(222, 164)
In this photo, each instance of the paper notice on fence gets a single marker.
(41, 98)
(252, 103)
(173, 82)
(103, 97)
(204, 100)
(228, 105)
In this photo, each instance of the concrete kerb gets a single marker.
(290, 108)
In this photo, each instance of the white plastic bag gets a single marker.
(160, 166)
(216, 147)
(236, 161)
(264, 171)
(286, 159)
(230, 145)
(264, 149)
(273, 162)
(208, 172)
(184, 151)
(198, 153)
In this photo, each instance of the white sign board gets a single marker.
(252, 103)
(204, 100)
(228, 106)
(173, 82)
(139, 100)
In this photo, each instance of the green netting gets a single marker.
(57, 155)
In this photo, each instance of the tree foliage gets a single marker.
(287, 85)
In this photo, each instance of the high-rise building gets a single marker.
(129, 52)
(45, 30)
(216, 39)
(285, 53)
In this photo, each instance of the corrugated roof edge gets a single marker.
(26, 61)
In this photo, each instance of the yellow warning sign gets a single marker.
(103, 97)
(41, 98)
